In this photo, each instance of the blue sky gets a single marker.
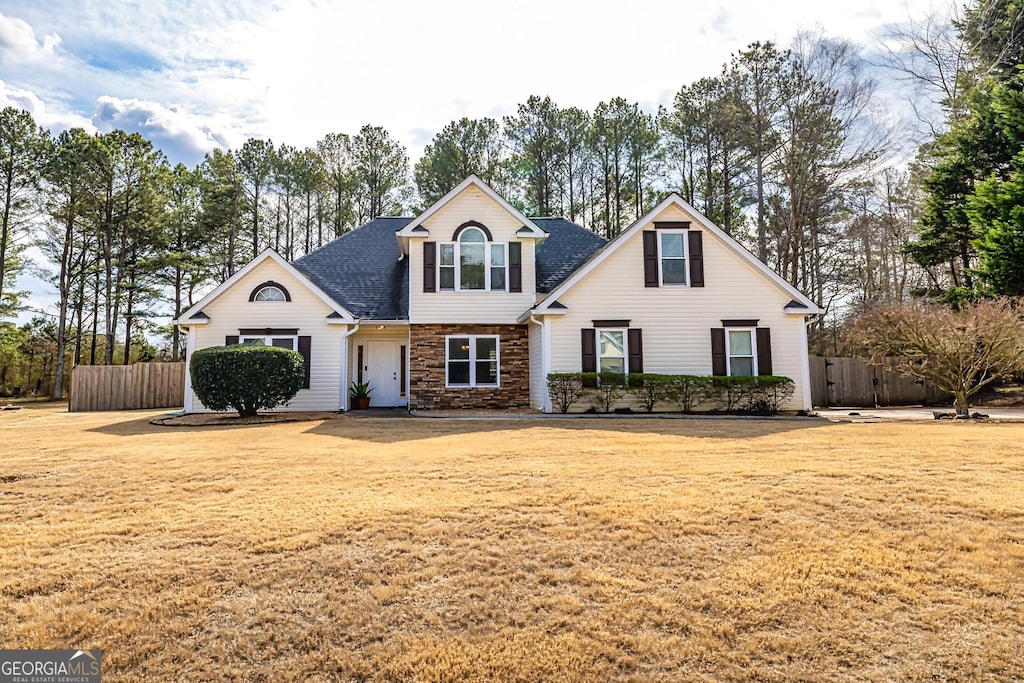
(192, 75)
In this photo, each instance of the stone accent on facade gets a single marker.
(427, 390)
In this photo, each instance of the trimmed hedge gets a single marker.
(763, 395)
(248, 378)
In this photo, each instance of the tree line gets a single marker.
(786, 148)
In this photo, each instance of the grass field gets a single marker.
(515, 550)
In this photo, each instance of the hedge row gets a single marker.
(761, 395)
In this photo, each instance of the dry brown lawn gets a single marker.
(515, 550)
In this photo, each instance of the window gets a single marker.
(290, 343)
(672, 254)
(269, 291)
(471, 361)
(473, 263)
(611, 351)
(741, 353)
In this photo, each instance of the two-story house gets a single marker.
(471, 305)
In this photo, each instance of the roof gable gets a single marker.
(415, 229)
(808, 306)
(196, 311)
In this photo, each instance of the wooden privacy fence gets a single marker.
(854, 382)
(127, 387)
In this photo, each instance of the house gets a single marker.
(471, 305)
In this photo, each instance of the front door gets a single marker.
(381, 367)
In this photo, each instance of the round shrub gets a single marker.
(246, 378)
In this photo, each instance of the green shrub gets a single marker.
(565, 389)
(246, 378)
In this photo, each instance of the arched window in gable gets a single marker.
(270, 291)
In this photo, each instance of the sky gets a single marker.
(193, 75)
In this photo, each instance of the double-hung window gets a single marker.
(672, 256)
(611, 351)
(471, 361)
(473, 263)
(742, 353)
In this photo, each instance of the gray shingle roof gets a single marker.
(567, 247)
(361, 270)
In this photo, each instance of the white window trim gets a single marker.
(685, 259)
(625, 346)
(753, 349)
(457, 267)
(269, 340)
(282, 300)
(473, 360)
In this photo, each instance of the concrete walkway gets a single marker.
(912, 413)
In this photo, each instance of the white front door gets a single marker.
(381, 367)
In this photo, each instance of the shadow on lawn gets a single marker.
(382, 430)
(390, 430)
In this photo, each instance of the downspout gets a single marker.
(345, 362)
(545, 362)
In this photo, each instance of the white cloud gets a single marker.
(179, 133)
(18, 42)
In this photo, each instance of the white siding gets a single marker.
(676, 321)
(232, 311)
(537, 378)
(478, 306)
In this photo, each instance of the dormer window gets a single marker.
(269, 291)
(472, 262)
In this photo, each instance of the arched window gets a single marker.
(472, 261)
(269, 291)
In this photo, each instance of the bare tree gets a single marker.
(958, 351)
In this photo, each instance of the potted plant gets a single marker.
(360, 393)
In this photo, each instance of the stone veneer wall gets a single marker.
(426, 369)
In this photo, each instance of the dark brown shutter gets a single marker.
(764, 351)
(696, 251)
(430, 266)
(718, 366)
(650, 258)
(515, 266)
(636, 350)
(304, 344)
(589, 344)
(230, 339)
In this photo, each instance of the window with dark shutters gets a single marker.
(655, 260)
(430, 266)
